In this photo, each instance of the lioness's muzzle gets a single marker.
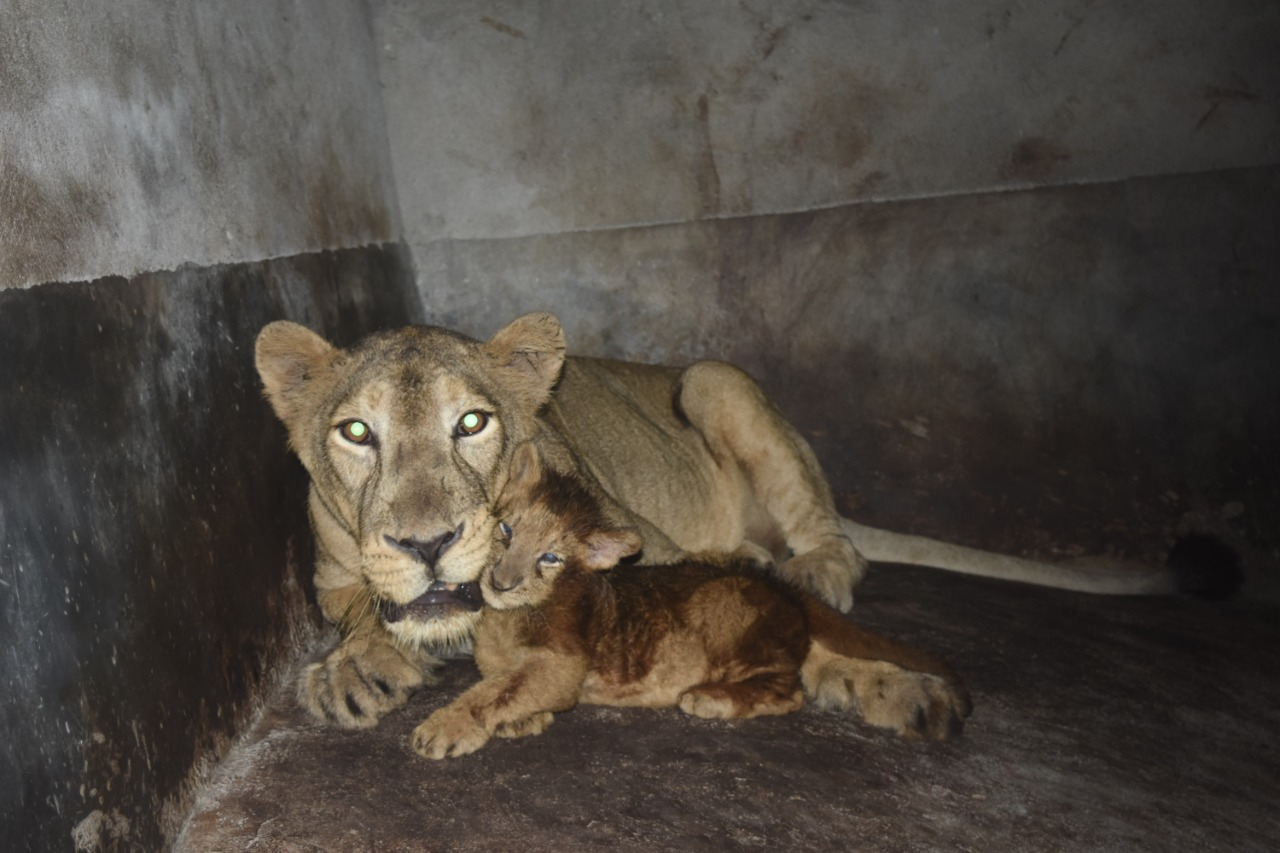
(436, 602)
(430, 550)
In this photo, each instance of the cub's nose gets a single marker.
(500, 583)
(430, 550)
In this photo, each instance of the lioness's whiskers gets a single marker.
(358, 607)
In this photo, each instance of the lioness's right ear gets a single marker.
(532, 347)
(288, 356)
(526, 467)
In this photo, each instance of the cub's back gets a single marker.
(667, 628)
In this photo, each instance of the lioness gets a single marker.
(710, 634)
(407, 434)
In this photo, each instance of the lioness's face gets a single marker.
(406, 436)
(419, 450)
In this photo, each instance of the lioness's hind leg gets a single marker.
(918, 705)
(739, 423)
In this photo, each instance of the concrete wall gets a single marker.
(519, 118)
(999, 259)
(172, 177)
(142, 136)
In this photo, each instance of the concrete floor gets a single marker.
(1100, 724)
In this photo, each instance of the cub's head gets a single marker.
(551, 525)
(406, 436)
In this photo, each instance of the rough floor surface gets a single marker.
(1100, 724)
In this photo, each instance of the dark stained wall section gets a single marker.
(153, 544)
(1053, 372)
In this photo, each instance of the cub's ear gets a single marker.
(288, 357)
(532, 347)
(604, 549)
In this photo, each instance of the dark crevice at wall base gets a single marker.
(153, 535)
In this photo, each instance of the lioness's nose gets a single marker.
(430, 550)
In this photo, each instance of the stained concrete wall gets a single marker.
(518, 118)
(141, 136)
(172, 177)
(1010, 265)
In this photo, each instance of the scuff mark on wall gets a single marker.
(55, 217)
(1034, 158)
(707, 175)
(505, 29)
(1217, 96)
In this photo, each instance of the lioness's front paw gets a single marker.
(361, 680)
(448, 733)
(829, 572)
(914, 704)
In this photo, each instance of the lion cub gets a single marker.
(712, 634)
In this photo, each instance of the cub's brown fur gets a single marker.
(712, 634)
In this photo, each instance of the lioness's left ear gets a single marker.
(289, 357)
(606, 548)
(532, 347)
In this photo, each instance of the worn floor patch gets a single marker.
(1100, 724)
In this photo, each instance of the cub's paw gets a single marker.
(450, 732)
(361, 680)
(916, 705)
(830, 571)
(738, 701)
(534, 724)
(708, 705)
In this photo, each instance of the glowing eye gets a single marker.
(356, 432)
(472, 423)
(504, 529)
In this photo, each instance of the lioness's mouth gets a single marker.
(435, 603)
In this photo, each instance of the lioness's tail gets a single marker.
(1098, 575)
(889, 684)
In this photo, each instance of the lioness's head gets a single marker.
(551, 524)
(407, 436)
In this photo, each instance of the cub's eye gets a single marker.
(549, 559)
(505, 530)
(355, 431)
(472, 423)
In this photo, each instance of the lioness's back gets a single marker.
(623, 419)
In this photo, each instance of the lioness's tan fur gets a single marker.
(694, 460)
(710, 633)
